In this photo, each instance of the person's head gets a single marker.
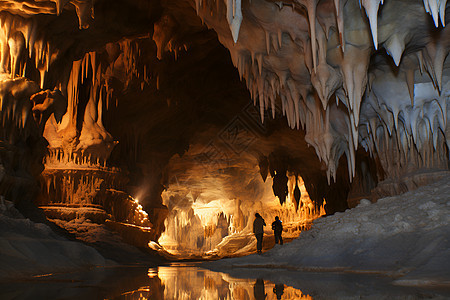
(257, 215)
(276, 218)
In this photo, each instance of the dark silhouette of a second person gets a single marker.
(277, 228)
(278, 290)
(258, 230)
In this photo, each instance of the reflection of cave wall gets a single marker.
(215, 285)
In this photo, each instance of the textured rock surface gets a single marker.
(119, 88)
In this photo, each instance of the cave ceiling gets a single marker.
(334, 91)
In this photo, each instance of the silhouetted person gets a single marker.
(258, 230)
(278, 290)
(277, 228)
(258, 289)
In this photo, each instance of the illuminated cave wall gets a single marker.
(212, 204)
(118, 88)
(67, 93)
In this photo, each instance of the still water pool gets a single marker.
(192, 282)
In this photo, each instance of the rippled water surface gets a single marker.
(192, 282)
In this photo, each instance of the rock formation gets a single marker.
(99, 98)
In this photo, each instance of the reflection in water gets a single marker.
(196, 283)
(189, 282)
(278, 290)
(164, 282)
(258, 289)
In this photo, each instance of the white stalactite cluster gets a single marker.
(324, 60)
(409, 132)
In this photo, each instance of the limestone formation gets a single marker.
(117, 90)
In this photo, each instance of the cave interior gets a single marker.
(173, 122)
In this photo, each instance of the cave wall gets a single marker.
(351, 73)
(342, 93)
(22, 146)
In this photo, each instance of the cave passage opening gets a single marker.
(211, 208)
